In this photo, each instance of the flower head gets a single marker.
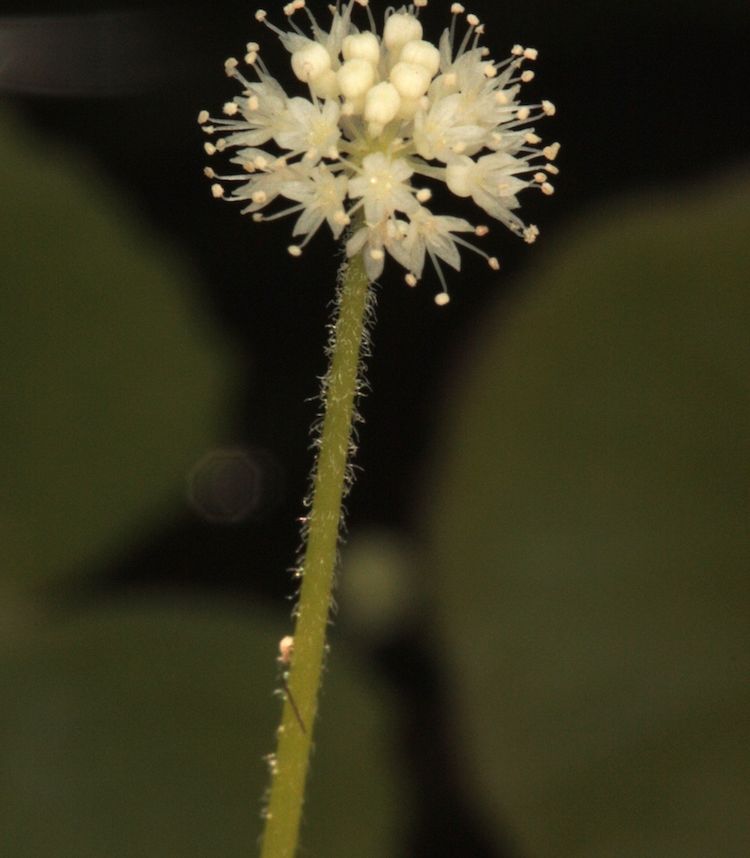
(384, 114)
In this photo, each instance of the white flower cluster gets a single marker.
(383, 112)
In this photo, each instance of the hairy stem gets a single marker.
(289, 768)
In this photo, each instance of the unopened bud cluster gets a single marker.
(385, 115)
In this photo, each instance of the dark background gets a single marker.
(649, 95)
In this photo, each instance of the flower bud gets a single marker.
(326, 85)
(382, 103)
(399, 29)
(421, 53)
(410, 80)
(355, 77)
(361, 46)
(310, 62)
(458, 176)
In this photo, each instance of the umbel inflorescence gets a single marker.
(383, 116)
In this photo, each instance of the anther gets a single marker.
(423, 195)
(550, 152)
(494, 263)
(527, 76)
(410, 279)
(548, 108)
(533, 139)
(230, 108)
(217, 192)
(294, 250)
(547, 189)
(286, 649)
(442, 298)
(209, 148)
(203, 117)
(481, 230)
(531, 53)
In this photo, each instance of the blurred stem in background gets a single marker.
(331, 479)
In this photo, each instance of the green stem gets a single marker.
(329, 485)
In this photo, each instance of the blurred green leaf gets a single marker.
(112, 380)
(591, 546)
(141, 730)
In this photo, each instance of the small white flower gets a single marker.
(383, 185)
(383, 117)
(308, 129)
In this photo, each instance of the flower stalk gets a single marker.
(341, 386)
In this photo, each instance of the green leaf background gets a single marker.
(590, 550)
(113, 382)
